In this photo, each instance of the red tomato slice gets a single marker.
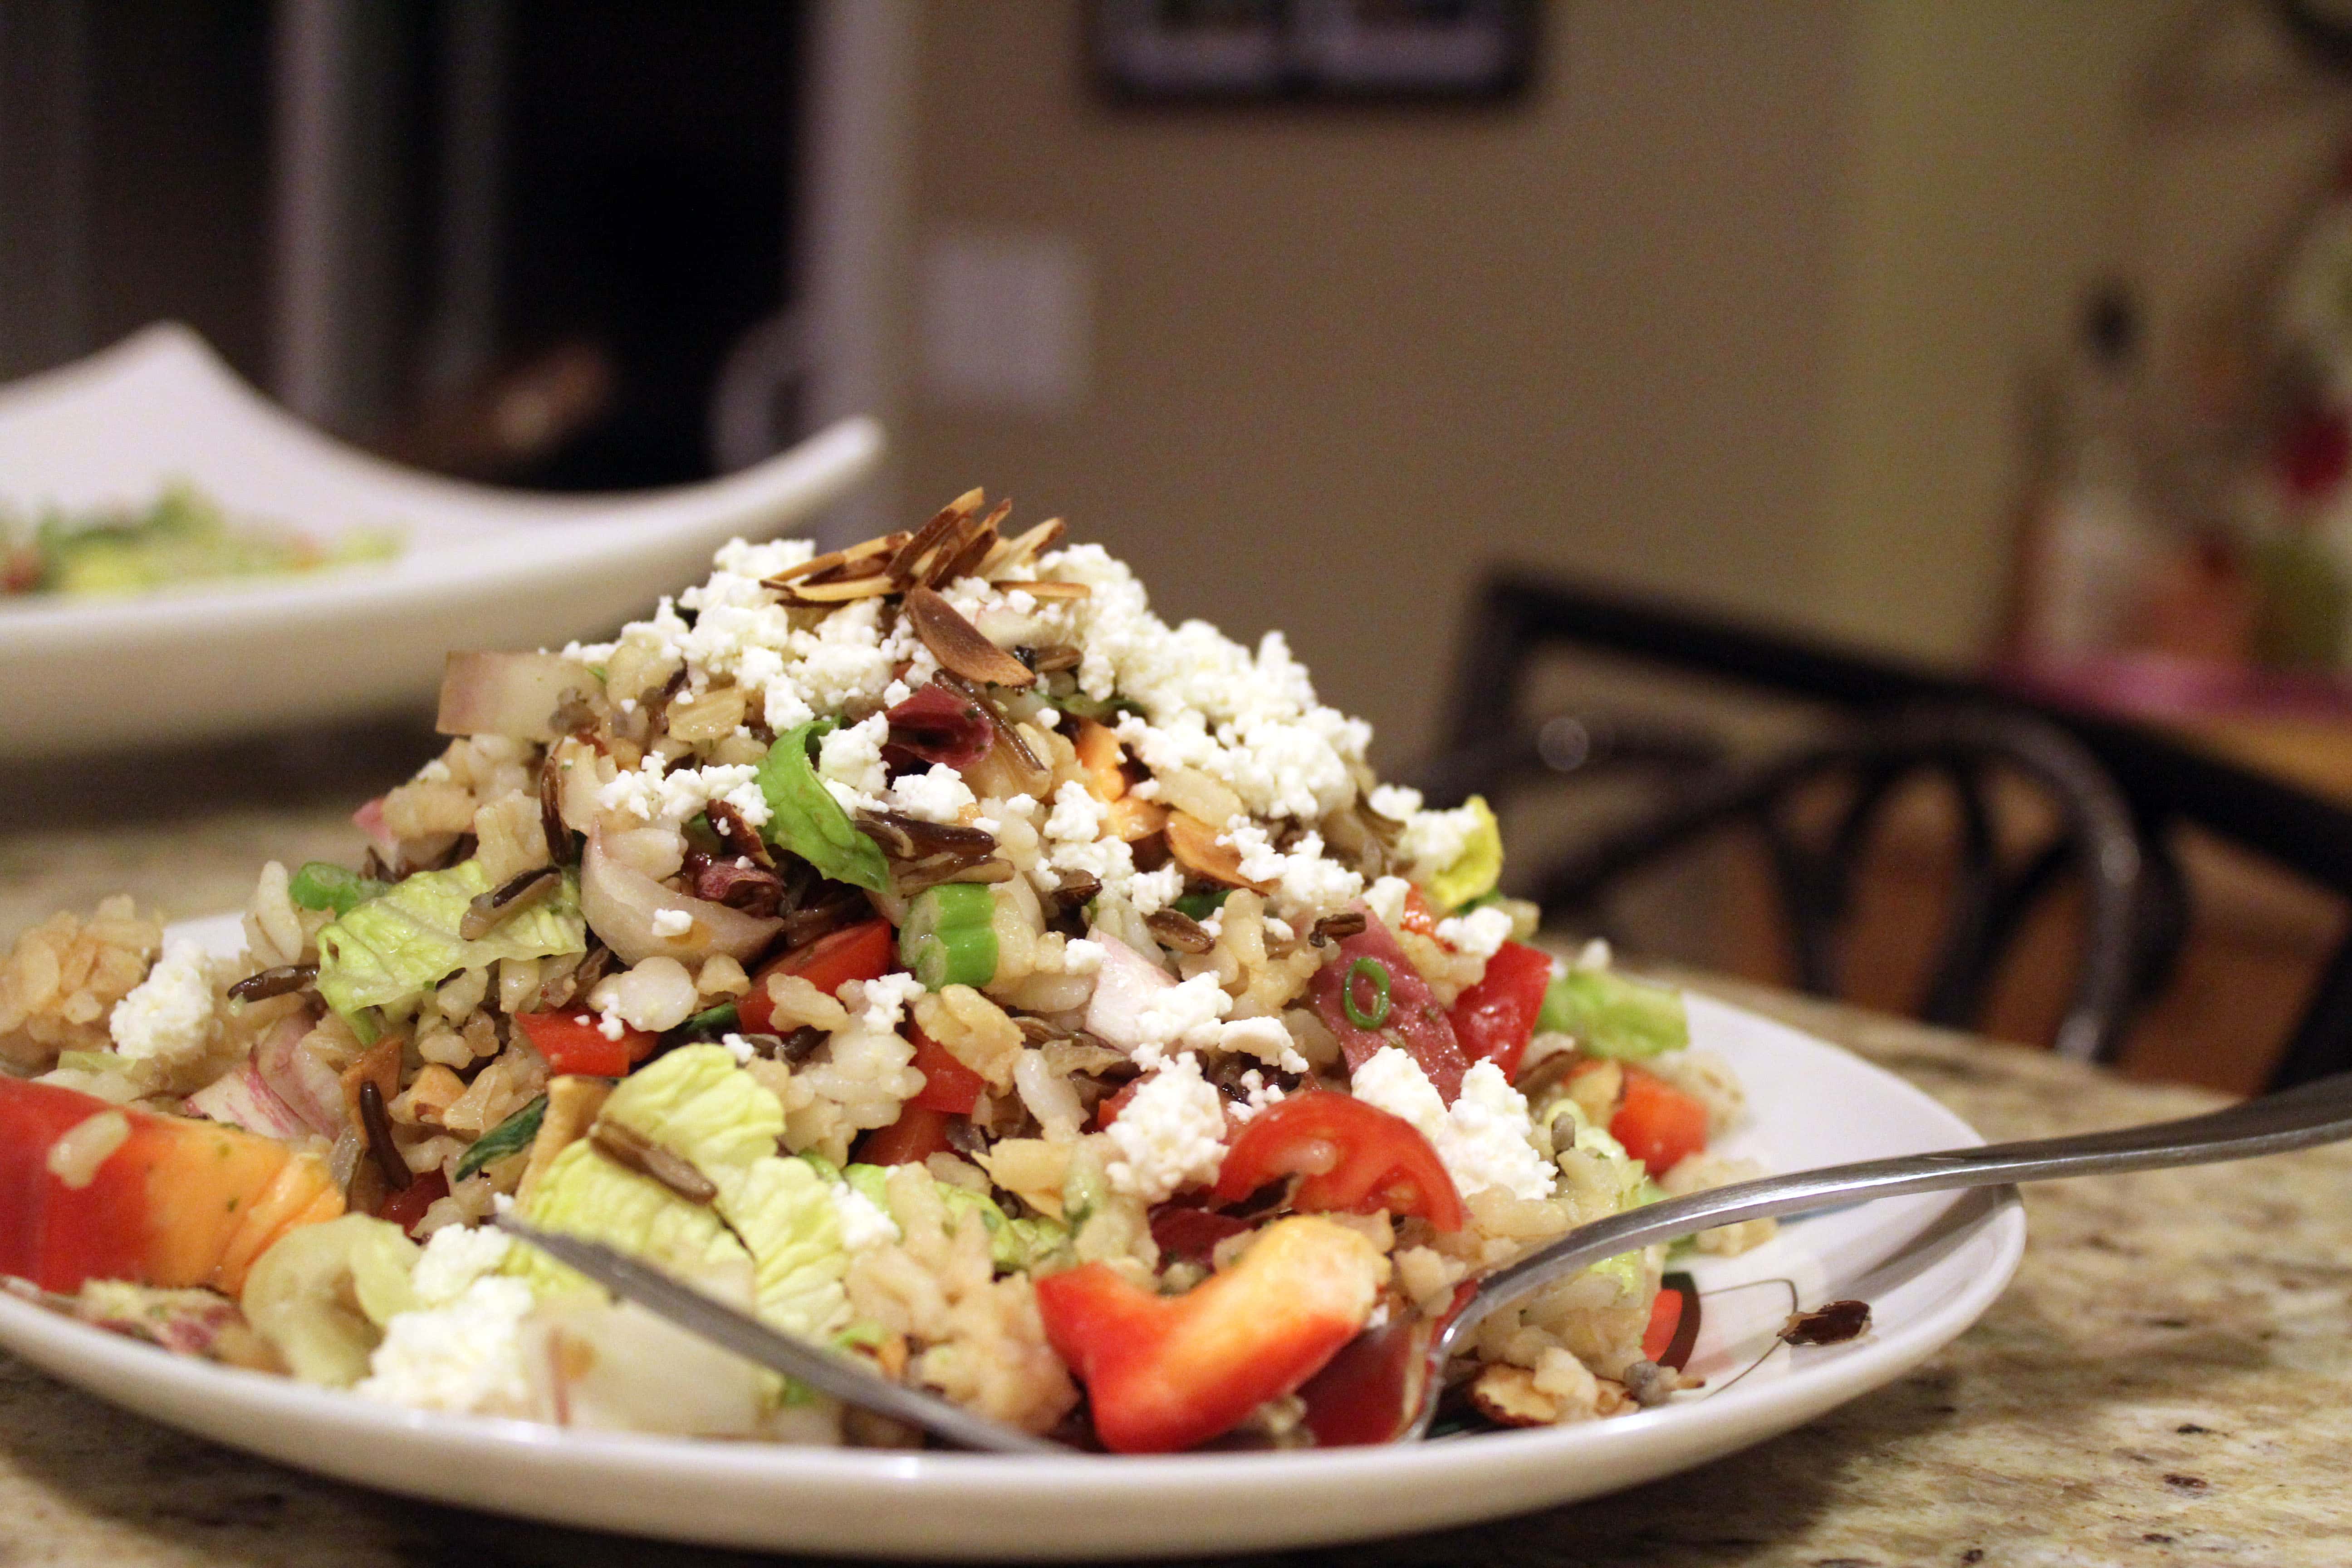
(1665, 1317)
(405, 1207)
(917, 1134)
(1659, 1124)
(1418, 916)
(1356, 1158)
(862, 951)
(573, 1043)
(1371, 997)
(1107, 1111)
(1496, 1018)
(948, 1084)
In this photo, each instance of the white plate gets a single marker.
(479, 567)
(1927, 1266)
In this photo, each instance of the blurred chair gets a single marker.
(2122, 791)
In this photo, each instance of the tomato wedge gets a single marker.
(574, 1043)
(862, 951)
(917, 1134)
(1356, 1158)
(1496, 1018)
(948, 1084)
(1665, 1317)
(1659, 1124)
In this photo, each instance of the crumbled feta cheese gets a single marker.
(1151, 892)
(454, 1259)
(168, 1016)
(1385, 898)
(672, 922)
(1264, 1039)
(465, 1357)
(851, 757)
(1394, 801)
(1259, 1095)
(1305, 881)
(1181, 1016)
(611, 1024)
(741, 1049)
(670, 797)
(864, 1225)
(1080, 956)
(1594, 954)
(1481, 933)
(1077, 815)
(1432, 840)
(880, 1004)
(1486, 1139)
(937, 796)
(1170, 1135)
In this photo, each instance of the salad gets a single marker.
(923, 947)
(184, 537)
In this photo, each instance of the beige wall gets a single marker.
(1734, 306)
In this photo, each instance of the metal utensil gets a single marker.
(2317, 1112)
(748, 1337)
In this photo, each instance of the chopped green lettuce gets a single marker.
(1613, 1016)
(1476, 869)
(585, 1194)
(805, 819)
(397, 946)
(698, 1103)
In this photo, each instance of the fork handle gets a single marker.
(2317, 1112)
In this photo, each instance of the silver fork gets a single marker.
(2317, 1112)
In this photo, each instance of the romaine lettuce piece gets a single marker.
(804, 818)
(1476, 869)
(585, 1194)
(401, 945)
(696, 1102)
(1013, 1244)
(1613, 1016)
(783, 1211)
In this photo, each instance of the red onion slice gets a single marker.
(1124, 987)
(621, 905)
(936, 725)
(511, 694)
(306, 1084)
(243, 1098)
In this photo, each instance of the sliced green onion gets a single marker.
(512, 1136)
(323, 885)
(709, 1024)
(950, 937)
(1380, 1013)
(1200, 906)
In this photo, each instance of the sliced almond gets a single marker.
(1131, 821)
(958, 645)
(903, 566)
(1508, 1396)
(1047, 588)
(1194, 844)
(1024, 546)
(973, 547)
(880, 549)
(802, 594)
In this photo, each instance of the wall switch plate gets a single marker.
(1005, 319)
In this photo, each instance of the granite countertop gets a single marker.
(2168, 1379)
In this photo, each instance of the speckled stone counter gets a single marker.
(2169, 1381)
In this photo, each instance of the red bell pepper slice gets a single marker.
(1495, 1019)
(1371, 997)
(1356, 1158)
(948, 1084)
(1168, 1373)
(1665, 1317)
(1659, 1124)
(917, 1134)
(574, 1044)
(862, 951)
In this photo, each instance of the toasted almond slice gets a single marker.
(957, 644)
(970, 548)
(1194, 844)
(1022, 547)
(816, 565)
(903, 564)
(1131, 821)
(1048, 589)
(804, 594)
